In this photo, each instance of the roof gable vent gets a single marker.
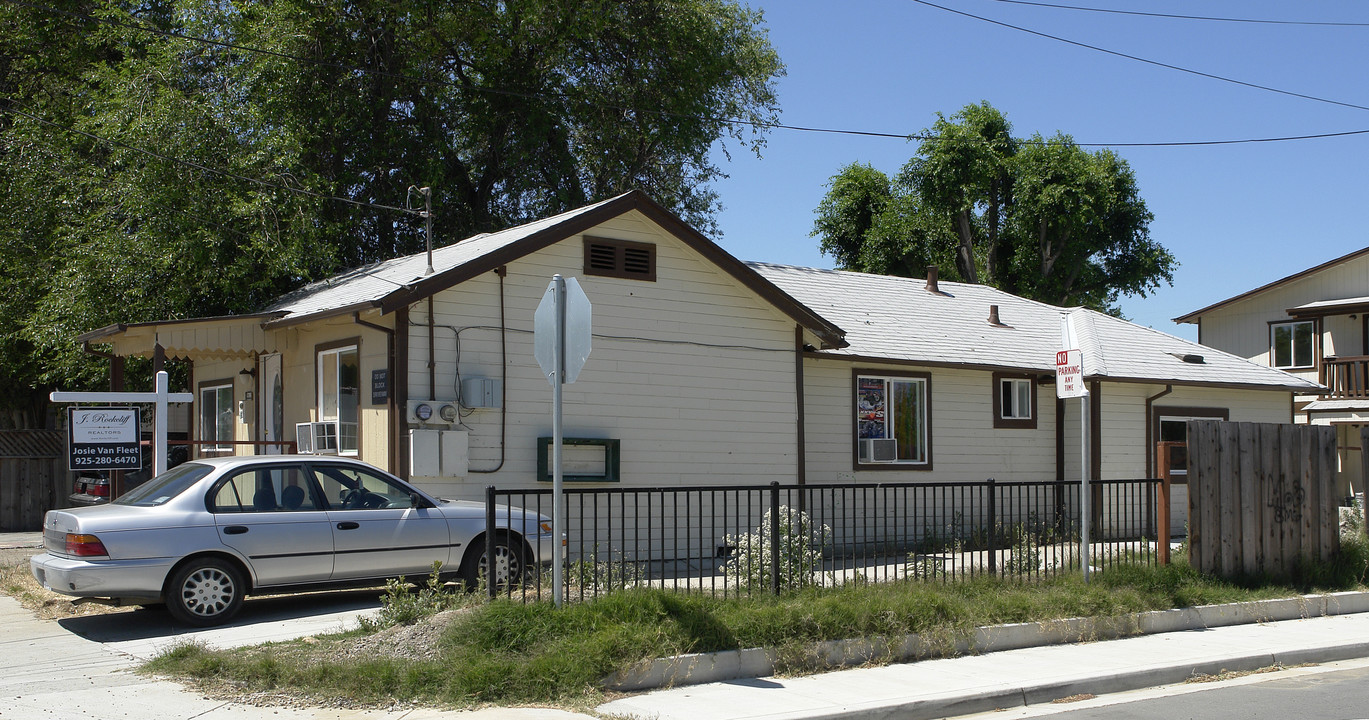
(620, 259)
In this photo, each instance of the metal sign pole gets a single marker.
(1069, 382)
(1086, 498)
(558, 383)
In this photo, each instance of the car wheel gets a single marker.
(207, 591)
(509, 565)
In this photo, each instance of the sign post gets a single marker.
(161, 397)
(561, 343)
(1069, 383)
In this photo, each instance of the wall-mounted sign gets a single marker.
(103, 439)
(380, 386)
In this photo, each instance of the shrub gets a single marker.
(800, 551)
(400, 605)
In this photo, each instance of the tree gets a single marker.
(1039, 217)
(509, 111)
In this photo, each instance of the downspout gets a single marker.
(1150, 422)
(391, 407)
(432, 354)
(400, 385)
(502, 271)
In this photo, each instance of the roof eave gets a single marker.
(1196, 315)
(830, 335)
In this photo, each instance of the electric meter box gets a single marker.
(479, 392)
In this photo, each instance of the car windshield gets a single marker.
(162, 488)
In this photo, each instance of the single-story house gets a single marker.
(704, 369)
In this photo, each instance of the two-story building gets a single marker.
(1313, 324)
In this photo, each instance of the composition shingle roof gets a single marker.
(374, 282)
(900, 319)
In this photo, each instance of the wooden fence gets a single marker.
(1261, 496)
(33, 477)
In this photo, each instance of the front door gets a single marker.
(271, 404)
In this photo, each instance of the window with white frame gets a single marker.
(1292, 344)
(216, 416)
(1014, 401)
(892, 420)
(339, 393)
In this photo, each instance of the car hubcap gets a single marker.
(505, 566)
(207, 592)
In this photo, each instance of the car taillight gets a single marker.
(85, 546)
(98, 489)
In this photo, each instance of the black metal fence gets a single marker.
(735, 540)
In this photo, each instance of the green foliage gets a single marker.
(400, 605)
(1040, 217)
(508, 111)
(800, 547)
(596, 575)
(508, 652)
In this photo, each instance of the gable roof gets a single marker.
(1196, 315)
(894, 319)
(396, 283)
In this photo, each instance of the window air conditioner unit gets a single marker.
(316, 438)
(879, 450)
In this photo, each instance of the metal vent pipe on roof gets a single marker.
(993, 316)
(932, 272)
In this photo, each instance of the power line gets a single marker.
(205, 168)
(1156, 63)
(730, 121)
(1184, 17)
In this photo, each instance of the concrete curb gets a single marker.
(698, 668)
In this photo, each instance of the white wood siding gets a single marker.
(965, 445)
(1242, 328)
(694, 373)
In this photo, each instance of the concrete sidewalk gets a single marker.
(1013, 678)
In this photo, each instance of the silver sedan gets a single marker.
(203, 535)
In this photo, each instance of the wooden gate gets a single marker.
(33, 477)
(1261, 496)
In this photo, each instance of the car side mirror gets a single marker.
(418, 501)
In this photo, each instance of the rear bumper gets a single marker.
(142, 579)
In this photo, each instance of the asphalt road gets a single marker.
(1338, 691)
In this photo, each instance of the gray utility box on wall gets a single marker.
(438, 453)
(479, 392)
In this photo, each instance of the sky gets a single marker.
(1234, 216)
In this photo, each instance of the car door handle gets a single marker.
(349, 525)
(234, 530)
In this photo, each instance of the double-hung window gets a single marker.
(339, 393)
(893, 420)
(1014, 401)
(1292, 344)
(216, 416)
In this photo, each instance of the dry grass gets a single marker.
(18, 582)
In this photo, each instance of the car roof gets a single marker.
(237, 460)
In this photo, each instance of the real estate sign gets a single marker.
(103, 439)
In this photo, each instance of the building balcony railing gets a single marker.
(1345, 377)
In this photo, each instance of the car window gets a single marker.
(168, 485)
(278, 488)
(352, 488)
